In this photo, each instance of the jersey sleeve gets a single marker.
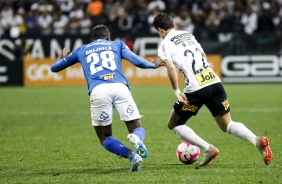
(61, 64)
(134, 58)
(163, 52)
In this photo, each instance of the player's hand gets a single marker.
(181, 97)
(158, 62)
(64, 53)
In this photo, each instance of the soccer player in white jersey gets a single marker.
(182, 52)
(109, 89)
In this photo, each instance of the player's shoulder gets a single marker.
(118, 43)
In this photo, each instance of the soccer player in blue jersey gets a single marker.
(108, 89)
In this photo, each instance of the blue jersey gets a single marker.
(101, 62)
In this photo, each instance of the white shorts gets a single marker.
(105, 97)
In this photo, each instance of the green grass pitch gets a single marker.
(46, 137)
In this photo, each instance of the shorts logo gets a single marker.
(225, 104)
(189, 108)
(108, 76)
(104, 116)
(130, 109)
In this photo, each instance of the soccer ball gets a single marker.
(187, 153)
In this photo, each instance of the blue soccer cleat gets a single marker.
(135, 163)
(138, 144)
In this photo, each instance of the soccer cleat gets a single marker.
(211, 154)
(138, 144)
(262, 143)
(135, 163)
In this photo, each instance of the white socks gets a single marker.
(187, 134)
(239, 130)
(235, 128)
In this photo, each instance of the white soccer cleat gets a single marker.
(138, 144)
(211, 154)
(262, 143)
(135, 163)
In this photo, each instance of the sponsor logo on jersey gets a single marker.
(181, 38)
(225, 104)
(187, 107)
(108, 76)
(206, 77)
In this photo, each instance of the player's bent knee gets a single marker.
(170, 126)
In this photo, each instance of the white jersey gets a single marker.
(189, 59)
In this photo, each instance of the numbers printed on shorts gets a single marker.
(107, 59)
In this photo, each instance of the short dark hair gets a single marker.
(100, 31)
(163, 21)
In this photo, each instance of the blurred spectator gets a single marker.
(75, 17)
(225, 27)
(109, 4)
(124, 23)
(183, 21)
(173, 7)
(84, 3)
(151, 18)
(85, 25)
(265, 23)
(249, 20)
(13, 25)
(212, 24)
(199, 11)
(7, 11)
(45, 21)
(156, 4)
(116, 10)
(31, 22)
(95, 8)
(77, 12)
(46, 6)
(66, 6)
(255, 22)
(217, 5)
(141, 26)
(277, 22)
(74, 26)
(60, 22)
(237, 27)
(141, 5)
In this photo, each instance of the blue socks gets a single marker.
(115, 146)
(140, 132)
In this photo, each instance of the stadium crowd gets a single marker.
(209, 20)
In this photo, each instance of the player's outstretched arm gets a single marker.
(64, 60)
(141, 62)
(158, 62)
